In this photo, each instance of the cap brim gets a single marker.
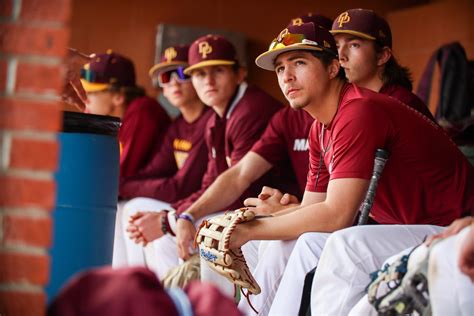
(214, 62)
(356, 33)
(93, 87)
(267, 59)
(166, 66)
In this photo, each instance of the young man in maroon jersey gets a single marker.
(175, 171)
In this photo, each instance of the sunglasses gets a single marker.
(166, 76)
(88, 74)
(288, 39)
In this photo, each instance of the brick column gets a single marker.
(33, 40)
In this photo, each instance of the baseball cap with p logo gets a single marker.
(364, 24)
(307, 36)
(210, 50)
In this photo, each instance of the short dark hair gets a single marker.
(326, 58)
(130, 93)
(394, 73)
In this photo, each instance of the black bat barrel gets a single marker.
(381, 157)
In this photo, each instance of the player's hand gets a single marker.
(149, 225)
(466, 255)
(270, 201)
(73, 92)
(452, 229)
(185, 232)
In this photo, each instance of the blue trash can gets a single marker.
(86, 201)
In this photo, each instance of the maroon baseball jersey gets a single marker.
(285, 142)
(229, 138)
(426, 180)
(143, 127)
(177, 169)
(407, 97)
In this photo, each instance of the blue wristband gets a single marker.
(187, 217)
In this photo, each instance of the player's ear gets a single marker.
(383, 56)
(118, 99)
(333, 68)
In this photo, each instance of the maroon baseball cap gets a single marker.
(210, 50)
(117, 292)
(365, 24)
(107, 69)
(317, 19)
(307, 36)
(172, 58)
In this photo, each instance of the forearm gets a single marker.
(287, 209)
(312, 218)
(223, 191)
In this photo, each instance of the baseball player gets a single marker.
(109, 81)
(230, 133)
(364, 42)
(176, 170)
(351, 124)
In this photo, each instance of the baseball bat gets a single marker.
(381, 157)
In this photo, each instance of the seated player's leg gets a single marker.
(273, 256)
(350, 255)
(305, 256)
(119, 255)
(451, 291)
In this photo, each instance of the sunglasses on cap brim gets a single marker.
(88, 74)
(166, 76)
(291, 39)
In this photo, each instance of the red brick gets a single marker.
(16, 113)
(33, 154)
(14, 303)
(3, 75)
(51, 10)
(27, 230)
(20, 267)
(19, 192)
(38, 78)
(6, 8)
(26, 39)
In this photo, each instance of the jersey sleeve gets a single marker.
(272, 146)
(175, 187)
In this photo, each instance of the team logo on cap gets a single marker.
(297, 21)
(205, 49)
(343, 18)
(170, 54)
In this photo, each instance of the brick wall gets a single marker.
(33, 39)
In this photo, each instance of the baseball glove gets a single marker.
(213, 239)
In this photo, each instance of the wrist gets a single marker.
(187, 217)
(165, 224)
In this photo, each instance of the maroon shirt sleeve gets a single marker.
(272, 145)
(143, 127)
